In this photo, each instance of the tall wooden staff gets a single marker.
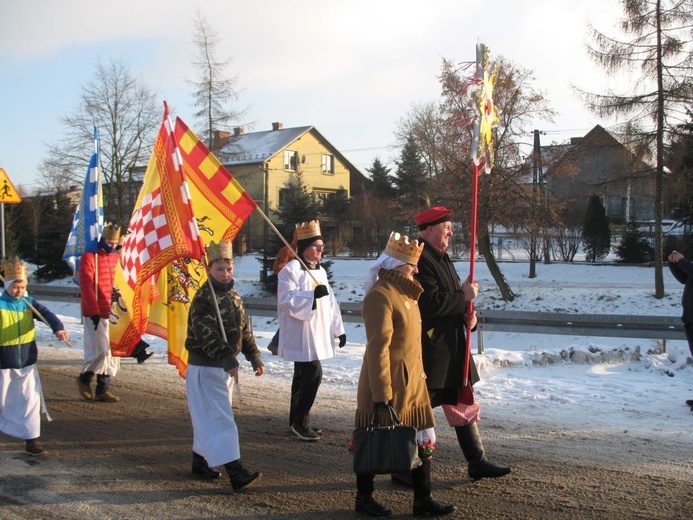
(481, 151)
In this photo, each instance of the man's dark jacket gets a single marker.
(683, 272)
(443, 308)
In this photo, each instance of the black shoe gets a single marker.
(244, 478)
(303, 433)
(485, 469)
(428, 506)
(367, 504)
(202, 469)
(689, 402)
(402, 479)
(143, 356)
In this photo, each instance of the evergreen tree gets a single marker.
(382, 181)
(634, 248)
(596, 234)
(56, 222)
(296, 204)
(214, 90)
(655, 48)
(410, 177)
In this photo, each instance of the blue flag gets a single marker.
(87, 225)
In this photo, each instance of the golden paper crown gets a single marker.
(111, 232)
(220, 250)
(14, 270)
(308, 230)
(399, 247)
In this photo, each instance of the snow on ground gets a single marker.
(523, 376)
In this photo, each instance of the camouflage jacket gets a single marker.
(205, 344)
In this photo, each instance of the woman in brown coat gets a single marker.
(392, 370)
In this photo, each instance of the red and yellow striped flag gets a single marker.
(162, 229)
(220, 206)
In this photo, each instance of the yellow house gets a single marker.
(263, 162)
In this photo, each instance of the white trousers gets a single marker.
(21, 400)
(97, 349)
(210, 396)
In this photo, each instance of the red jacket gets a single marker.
(91, 303)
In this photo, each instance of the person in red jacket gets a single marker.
(96, 277)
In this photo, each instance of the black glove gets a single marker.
(320, 291)
(342, 340)
(95, 320)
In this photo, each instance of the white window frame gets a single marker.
(290, 160)
(327, 164)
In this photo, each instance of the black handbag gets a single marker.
(385, 449)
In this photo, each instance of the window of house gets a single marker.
(327, 164)
(290, 160)
(322, 196)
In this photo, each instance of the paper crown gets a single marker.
(221, 250)
(308, 230)
(111, 232)
(14, 270)
(399, 247)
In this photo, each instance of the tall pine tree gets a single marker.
(596, 233)
(410, 177)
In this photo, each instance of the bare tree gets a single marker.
(214, 92)
(126, 114)
(657, 48)
(444, 146)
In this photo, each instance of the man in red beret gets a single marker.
(444, 305)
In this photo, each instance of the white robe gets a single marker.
(306, 334)
(21, 401)
(97, 349)
(210, 401)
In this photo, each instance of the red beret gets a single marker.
(432, 216)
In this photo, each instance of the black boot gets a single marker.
(478, 465)
(367, 504)
(240, 477)
(202, 469)
(424, 504)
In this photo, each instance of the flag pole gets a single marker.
(35, 311)
(278, 233)
(472, 264)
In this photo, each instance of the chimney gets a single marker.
(220, 139)
(277, 126)
(237, 130)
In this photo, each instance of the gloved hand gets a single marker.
(95, 320)
(342, 340)
(320, 291)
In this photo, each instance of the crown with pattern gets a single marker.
(14, 270)
(308, 230)
(399, 247)
(215, 251)
(111, 232)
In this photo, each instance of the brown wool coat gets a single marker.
(392, 364)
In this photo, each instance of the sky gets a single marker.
(643, 394)
(351, 69)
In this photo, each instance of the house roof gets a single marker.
(598, 137)
(258, 147)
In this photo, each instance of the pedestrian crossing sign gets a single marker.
(8, 195)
